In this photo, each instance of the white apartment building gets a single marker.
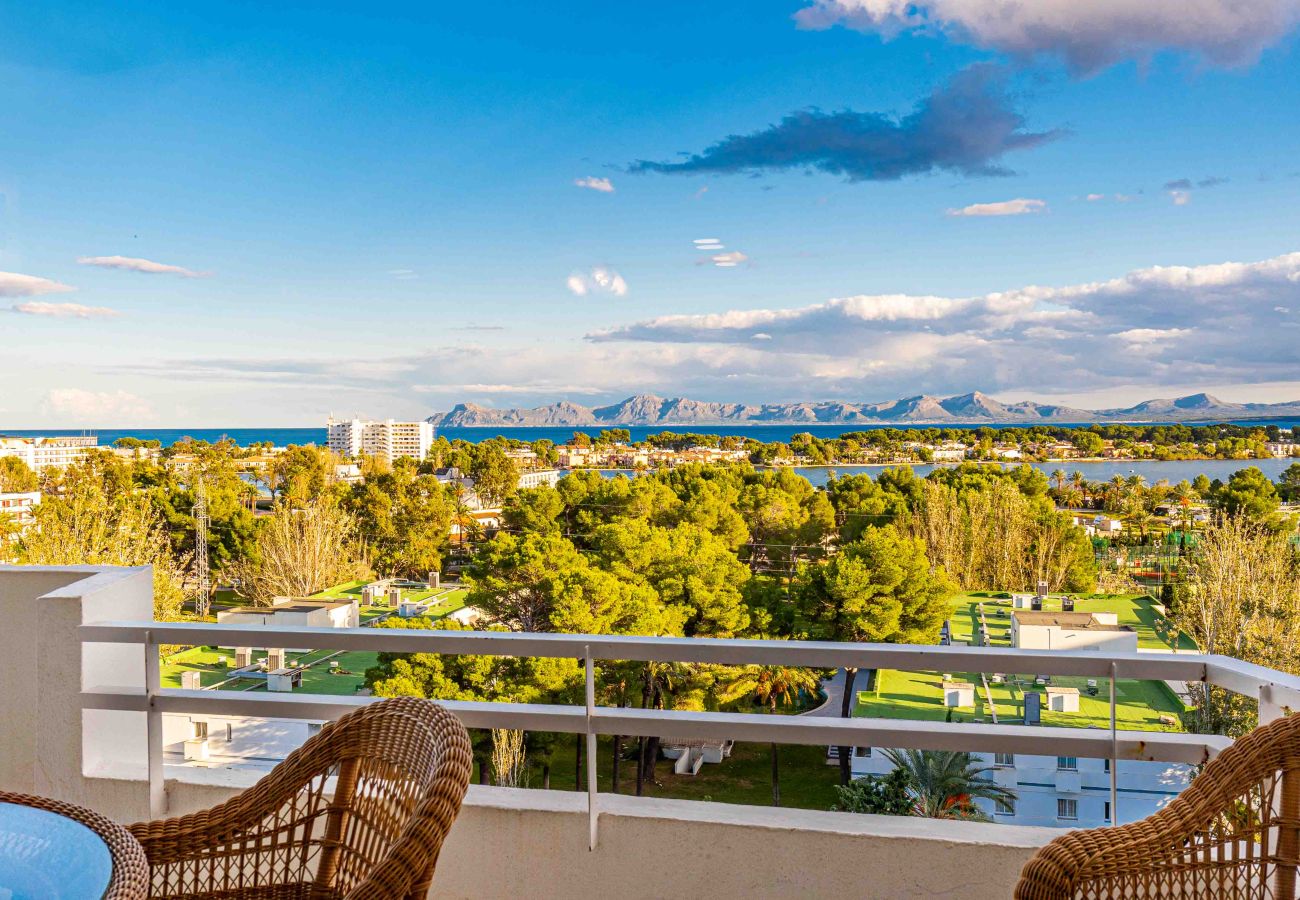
(20, 507)
(387, 439)
(538, 478)
(1063, 791)
(46, 452)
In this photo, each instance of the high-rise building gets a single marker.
(388, 439)
(44, 452)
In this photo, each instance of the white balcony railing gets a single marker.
(1275, 691)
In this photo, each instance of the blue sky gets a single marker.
(246, 214)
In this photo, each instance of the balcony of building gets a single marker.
(84, 717)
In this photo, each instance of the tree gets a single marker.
(1289, 483)
(540, 582)
(404, 517)
(538, 509)
(494, 473)
(301, 551)
(1242, 600)
(15, 476)
(883, 796)
(85, 524)
(302, 474)
(946, 784)
(771, 686)
(1249, 493)
(692, 571)
(881, 588)
(609, 436)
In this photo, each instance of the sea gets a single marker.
(283, 437)
(1151, 470)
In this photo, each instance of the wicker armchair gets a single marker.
(1234, 833)
(398, 770)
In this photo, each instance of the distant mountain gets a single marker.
(968, 409)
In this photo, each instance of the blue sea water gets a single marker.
(282, 437)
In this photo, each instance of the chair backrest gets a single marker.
(1235, 831)
(359, 810)
(402, 766)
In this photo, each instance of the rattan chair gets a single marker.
(1233, 833)
(359, 811)
(129, 879)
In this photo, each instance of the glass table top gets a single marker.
(44, 856)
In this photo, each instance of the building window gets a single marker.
(1107, 761)
(1005, 807)
(1107, 810)
(1067, 809)
(1067, 764)
(1004, 760)
(861, 752)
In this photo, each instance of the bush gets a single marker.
(884, 795)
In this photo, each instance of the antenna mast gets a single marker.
(202, 602)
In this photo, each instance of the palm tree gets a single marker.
(771, 686)
(944, 784)
(1059, 477)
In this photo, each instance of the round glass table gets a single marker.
(46, 856)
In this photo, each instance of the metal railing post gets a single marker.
(154, 728)
(1114, 749)
(592, 817)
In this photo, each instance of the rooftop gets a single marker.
(919, 696)
(1154, 630)
(1078, 621)
(1141, 705)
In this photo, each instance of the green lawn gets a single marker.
(919, 696)
(1154, 631)
(448, 599)
(807, 782)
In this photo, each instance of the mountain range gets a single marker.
(967, 409)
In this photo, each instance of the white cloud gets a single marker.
(1180, 198)
(603, 185)
(403, 274)
(1093, 198)
(1018, 207)
(97, 408)
(134, 264)
(530, 387)
(12, 284)
(728, 260)
(1216, 322)
(599, 280)
(1152, 335)
(1195, 327)
(64, 310)
(1089, 35)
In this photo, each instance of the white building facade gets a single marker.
(1063, 791)
(20, 507)
(47, 452)
(538, 478)
(388, 439)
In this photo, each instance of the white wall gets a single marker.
(1052, 637)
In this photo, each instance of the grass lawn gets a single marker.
(448, 599)
(919, 696)
(744, 777)
(1154, 631)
